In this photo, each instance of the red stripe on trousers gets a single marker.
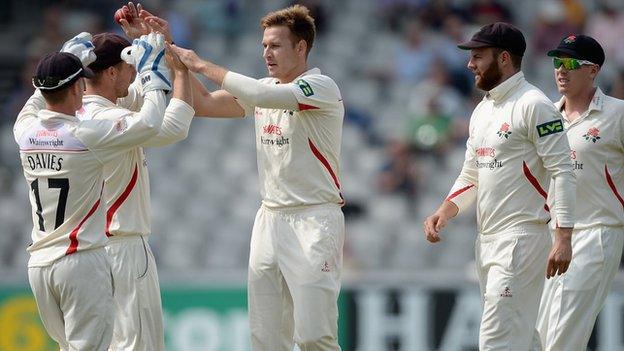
(535, 183)
(612, 186)
(73, 236)
(111, 211)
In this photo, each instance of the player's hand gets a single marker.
(156, 24)
(136, 27)
(82, 47)
(173, 60)
(189, 58)
(437, 221)
(560, 254)
(146, 55)
(433, 225)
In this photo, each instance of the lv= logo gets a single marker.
(551, 127)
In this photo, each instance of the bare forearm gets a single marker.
(563, 233)
(217, 104)
(448, 209)
(182, 86)
(213, 72)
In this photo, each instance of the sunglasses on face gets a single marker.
(570, 63)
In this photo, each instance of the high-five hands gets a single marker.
(147, 56)
(82, 47)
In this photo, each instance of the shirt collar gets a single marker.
(314, 70)
(48, 116)
(596, 103)
(100, 100)
(500, 91)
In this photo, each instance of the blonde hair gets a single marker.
(297, 18)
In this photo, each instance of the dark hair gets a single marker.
(297, 18)
(516, 60)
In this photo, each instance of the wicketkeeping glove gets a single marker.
(82, 47)
(147, 55)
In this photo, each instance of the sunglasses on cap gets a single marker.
(570, 63)
(50, 83)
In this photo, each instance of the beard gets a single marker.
(490, 78)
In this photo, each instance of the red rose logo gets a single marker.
(592, 134)
(504, 131)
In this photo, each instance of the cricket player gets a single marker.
(516, 143)
(295, 261)
(64, 159)
(594, 123)
(110, 96)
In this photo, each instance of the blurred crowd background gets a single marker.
(408, 98)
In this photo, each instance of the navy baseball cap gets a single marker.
(59, 70)
(582, 47)
(499, 35)
(108, 47)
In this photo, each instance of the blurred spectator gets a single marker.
(454, 32)
(318, 12)
(75, 21)
(395, 12)
(22, 89)
(430, 134)
(364, 122)
(435, 12)
(489, 11)
(232, 27)
(607, 26)
(436, 89)
(50, 36)
(575, 13)
(414, 56)
(399, 174)
(550, 26)
(617, 89)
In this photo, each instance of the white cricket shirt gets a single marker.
(298, 151)
(516, 144)
(63, 160)
(597, 150)
(127, 189)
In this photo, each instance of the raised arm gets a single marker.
(107, 137)
(219, 103)
(248, 90)
(179, 112)
(28, 114)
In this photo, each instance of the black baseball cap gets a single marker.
(59, 70)
(582, 47)
(108, 47)
(499, 35)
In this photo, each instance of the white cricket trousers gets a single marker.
(74, 296)
(295, 263)
(571, 302)
(511, 267)
(138, 307)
